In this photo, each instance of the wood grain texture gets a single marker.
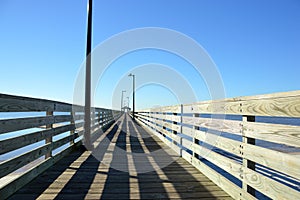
(218, 179)
(222, 125)
(13, 164)
(10, 103)
(9, 125)
(26, 177)
(286, 104)
(281, 134)
(269, 187)
(14, 143)
(282, 162)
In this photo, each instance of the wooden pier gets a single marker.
(80, 175)
(212, 150)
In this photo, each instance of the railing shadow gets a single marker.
(81, 175)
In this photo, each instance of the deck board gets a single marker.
(82, 176)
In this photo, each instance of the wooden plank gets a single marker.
(10, 125)
(225, 144)
(173, 127)
(230, 188)
(282, 162)
(279, 104)
(247, 163)
(267, 186)
(146, 125)
(13, 164)
(49, 138)
(174, 118)
(282, 134)
(227, 106)
(279, 107)
(171, 109)
(23, 140)
(10, 103)
(221, 181)
(229, 126)
(223, 162)
(15, 185)
(65, 140)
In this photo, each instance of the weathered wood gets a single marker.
(279, 104)
(10, 103)
(225, 144)
(247, 163)
(233, 190)
(229, 126)
(267, 186)
(86, 177)
(11, 144)
(171, 109)
(274, 105)
(282, 162)
(227, 106)
(21, 181)
(72, 122)
(223, 162)
(65, 140)
(282, 134)
(13, 164)
(10, 125)
(49, 138)
(174, 127)
(174, 118)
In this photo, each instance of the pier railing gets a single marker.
(249, 146)
(36, 133)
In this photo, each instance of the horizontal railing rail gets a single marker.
(249, 146)
(36, 133)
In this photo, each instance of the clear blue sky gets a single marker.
(255, 45)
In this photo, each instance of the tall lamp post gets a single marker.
(87, 110)
(133, 95)
(122, 100)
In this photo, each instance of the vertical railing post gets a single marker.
(163, 120)
(247, 163)
(49, 139)
(99, 118)
(72, 122)
(174, 132)
(195, 141)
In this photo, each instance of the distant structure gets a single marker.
(126, 109)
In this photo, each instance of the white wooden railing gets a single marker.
(249, 146)
(30, 143)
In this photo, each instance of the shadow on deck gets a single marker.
(119, 175)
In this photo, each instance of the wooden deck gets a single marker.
(81, 176)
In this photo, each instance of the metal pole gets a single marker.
(133, 94)
(122, 100)
(133, 115)
(87, 115)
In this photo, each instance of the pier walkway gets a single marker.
(241, 148)
(80, 175)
